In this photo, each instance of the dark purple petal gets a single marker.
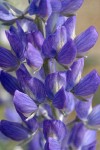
(52, 144)
(94, 118)
(23, 76)
(54, 82)
(74, 74)
(13, 130)
(70, 27)
(70, 6)
(37, 7)
(7, 60)
(51, 128)
(88, 85)
(24, 104)
(44, 9)
(67, 54)
(9, 83)
(33, 8)
(86, 40)
(38, 89)
(64, 100)
(16, 44)
(49, 47)
(33, 56)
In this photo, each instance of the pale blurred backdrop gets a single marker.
(88, 15)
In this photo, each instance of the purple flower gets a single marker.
(93, 119)
(73, 75)
(88, 85)
(70, 6)
(37, 7)
(48, 61)
(23, 77)
(9, 83)
(37, 89)
(8, 61)
(83, 108)
(24, 104)
(50, 129)
(82, 138)
(86, 40)
(67, 54)
(17, 40)
(49, 47)
(13, 130)
(54, 82)
(64, 100)
(36, 142)
(33, 57)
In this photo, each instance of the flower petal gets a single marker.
(33, 56)
(32, 123)
(52, 144)
(53, 22)
(15, 40)
(23, 103)
(23, 76)
(27, 25)
(38, 89)
(89, 138)
(64, 100)
(7, 60)
(37, 38)
(77, 134)
(9, 83)
(54, 82)
(56, 5)
(94, 118)
(70, 24)
(51, 127)
(61, 37)
(36, 143)
(86, 40)
(13, 130)
(88, 85)
(5, 15)
(67, 54)
(83, 109)
(49, 47)
(12, 115)
(37, 7)
(74, 74)
(70, 6)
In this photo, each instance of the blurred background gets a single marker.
(89, 14)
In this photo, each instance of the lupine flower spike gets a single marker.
(42, 72)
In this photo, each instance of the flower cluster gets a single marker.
(45, 96)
